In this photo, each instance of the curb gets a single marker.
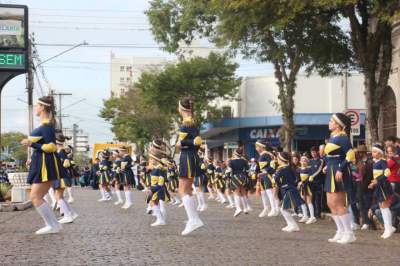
(10, 207)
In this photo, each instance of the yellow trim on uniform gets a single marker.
(197, 141)
(377, 173)
(66, 163)
(44, 176)
(188, 168)
(124, 164)
(56, 166)
(45, 121)
(161, 181)
(182, 135)
(263, 164)
(34, 139)
(188, 121)
(331, 147)
(48, 148)
(387, 172)
(62, 183)
(333, 186)
(351, 156)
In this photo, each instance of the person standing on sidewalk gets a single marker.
(316, 165)
(45, 165)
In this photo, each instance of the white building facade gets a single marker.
(126, 71)
(255, 115)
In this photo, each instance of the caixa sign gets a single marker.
(263, 133)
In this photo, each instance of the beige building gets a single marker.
(126, 71)
(390, 123)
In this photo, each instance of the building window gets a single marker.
(226, 112)
(128, 68)
(128, 79)
(122, 68)
(121, 79)
(122, 90)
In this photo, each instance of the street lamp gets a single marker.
(63, 52)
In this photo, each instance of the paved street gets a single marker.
(107, 235)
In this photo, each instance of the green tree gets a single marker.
(203, 79)
(371, 24)
(150, 109)
(10, 144)
(291, 34)
(135, 120)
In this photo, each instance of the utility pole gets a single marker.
(74, 135)
(29, 88)
(60, 95)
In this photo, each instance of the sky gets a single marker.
(85, 71)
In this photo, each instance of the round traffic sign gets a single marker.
(354, 116)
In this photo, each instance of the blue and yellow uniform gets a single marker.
(190, 141)
(45, 164)
(383, 190)
(285, 180)
(116, 171)
(219, 177)
(105, 171)
(201, 180)
(65, 181)
(306, 180)
(211, 173)
(339, 156)
(157, 184)
(267, 170)
(254, 170)
(239, 168)
(128, 178)
(172, 178)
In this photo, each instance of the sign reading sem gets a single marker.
(11, 60)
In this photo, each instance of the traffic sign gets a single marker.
(354, 115)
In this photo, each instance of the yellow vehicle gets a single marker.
(99, 147)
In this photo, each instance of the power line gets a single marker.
(134, 46)
(89, 10)
(87, 23)
(83, 16)
(90, 28)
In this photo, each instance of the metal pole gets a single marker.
(29, 87)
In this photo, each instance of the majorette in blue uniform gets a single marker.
(238, 171)
(210, 172)
(254, 170)
(306, 179)
(158, 177)
(200, 181)
(285, 178)
(128, 178)
(117, 177)
(317, 175)
(190, 141)
(59, 185)
(382, 189)
(105, 175)
(339, 156)
(45, 163)
(267, 169)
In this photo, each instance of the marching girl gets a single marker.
(71, 171)
(45, 165)
(239, 167)
(210, 178)
(117, 176)
(305, 190)
(189, 142)
(128, 179)
(382, 189)
(265, 180)
(157, 187)
(285, 180)
(200, 183)
(253, 171)
(105, 176)
(220, 182)
(144, 174)
(173, 182)
(60, 185)
(338, 181)
(228, 185)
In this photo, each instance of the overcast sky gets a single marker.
(85, 71)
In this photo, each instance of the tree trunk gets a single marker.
(372, 112)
